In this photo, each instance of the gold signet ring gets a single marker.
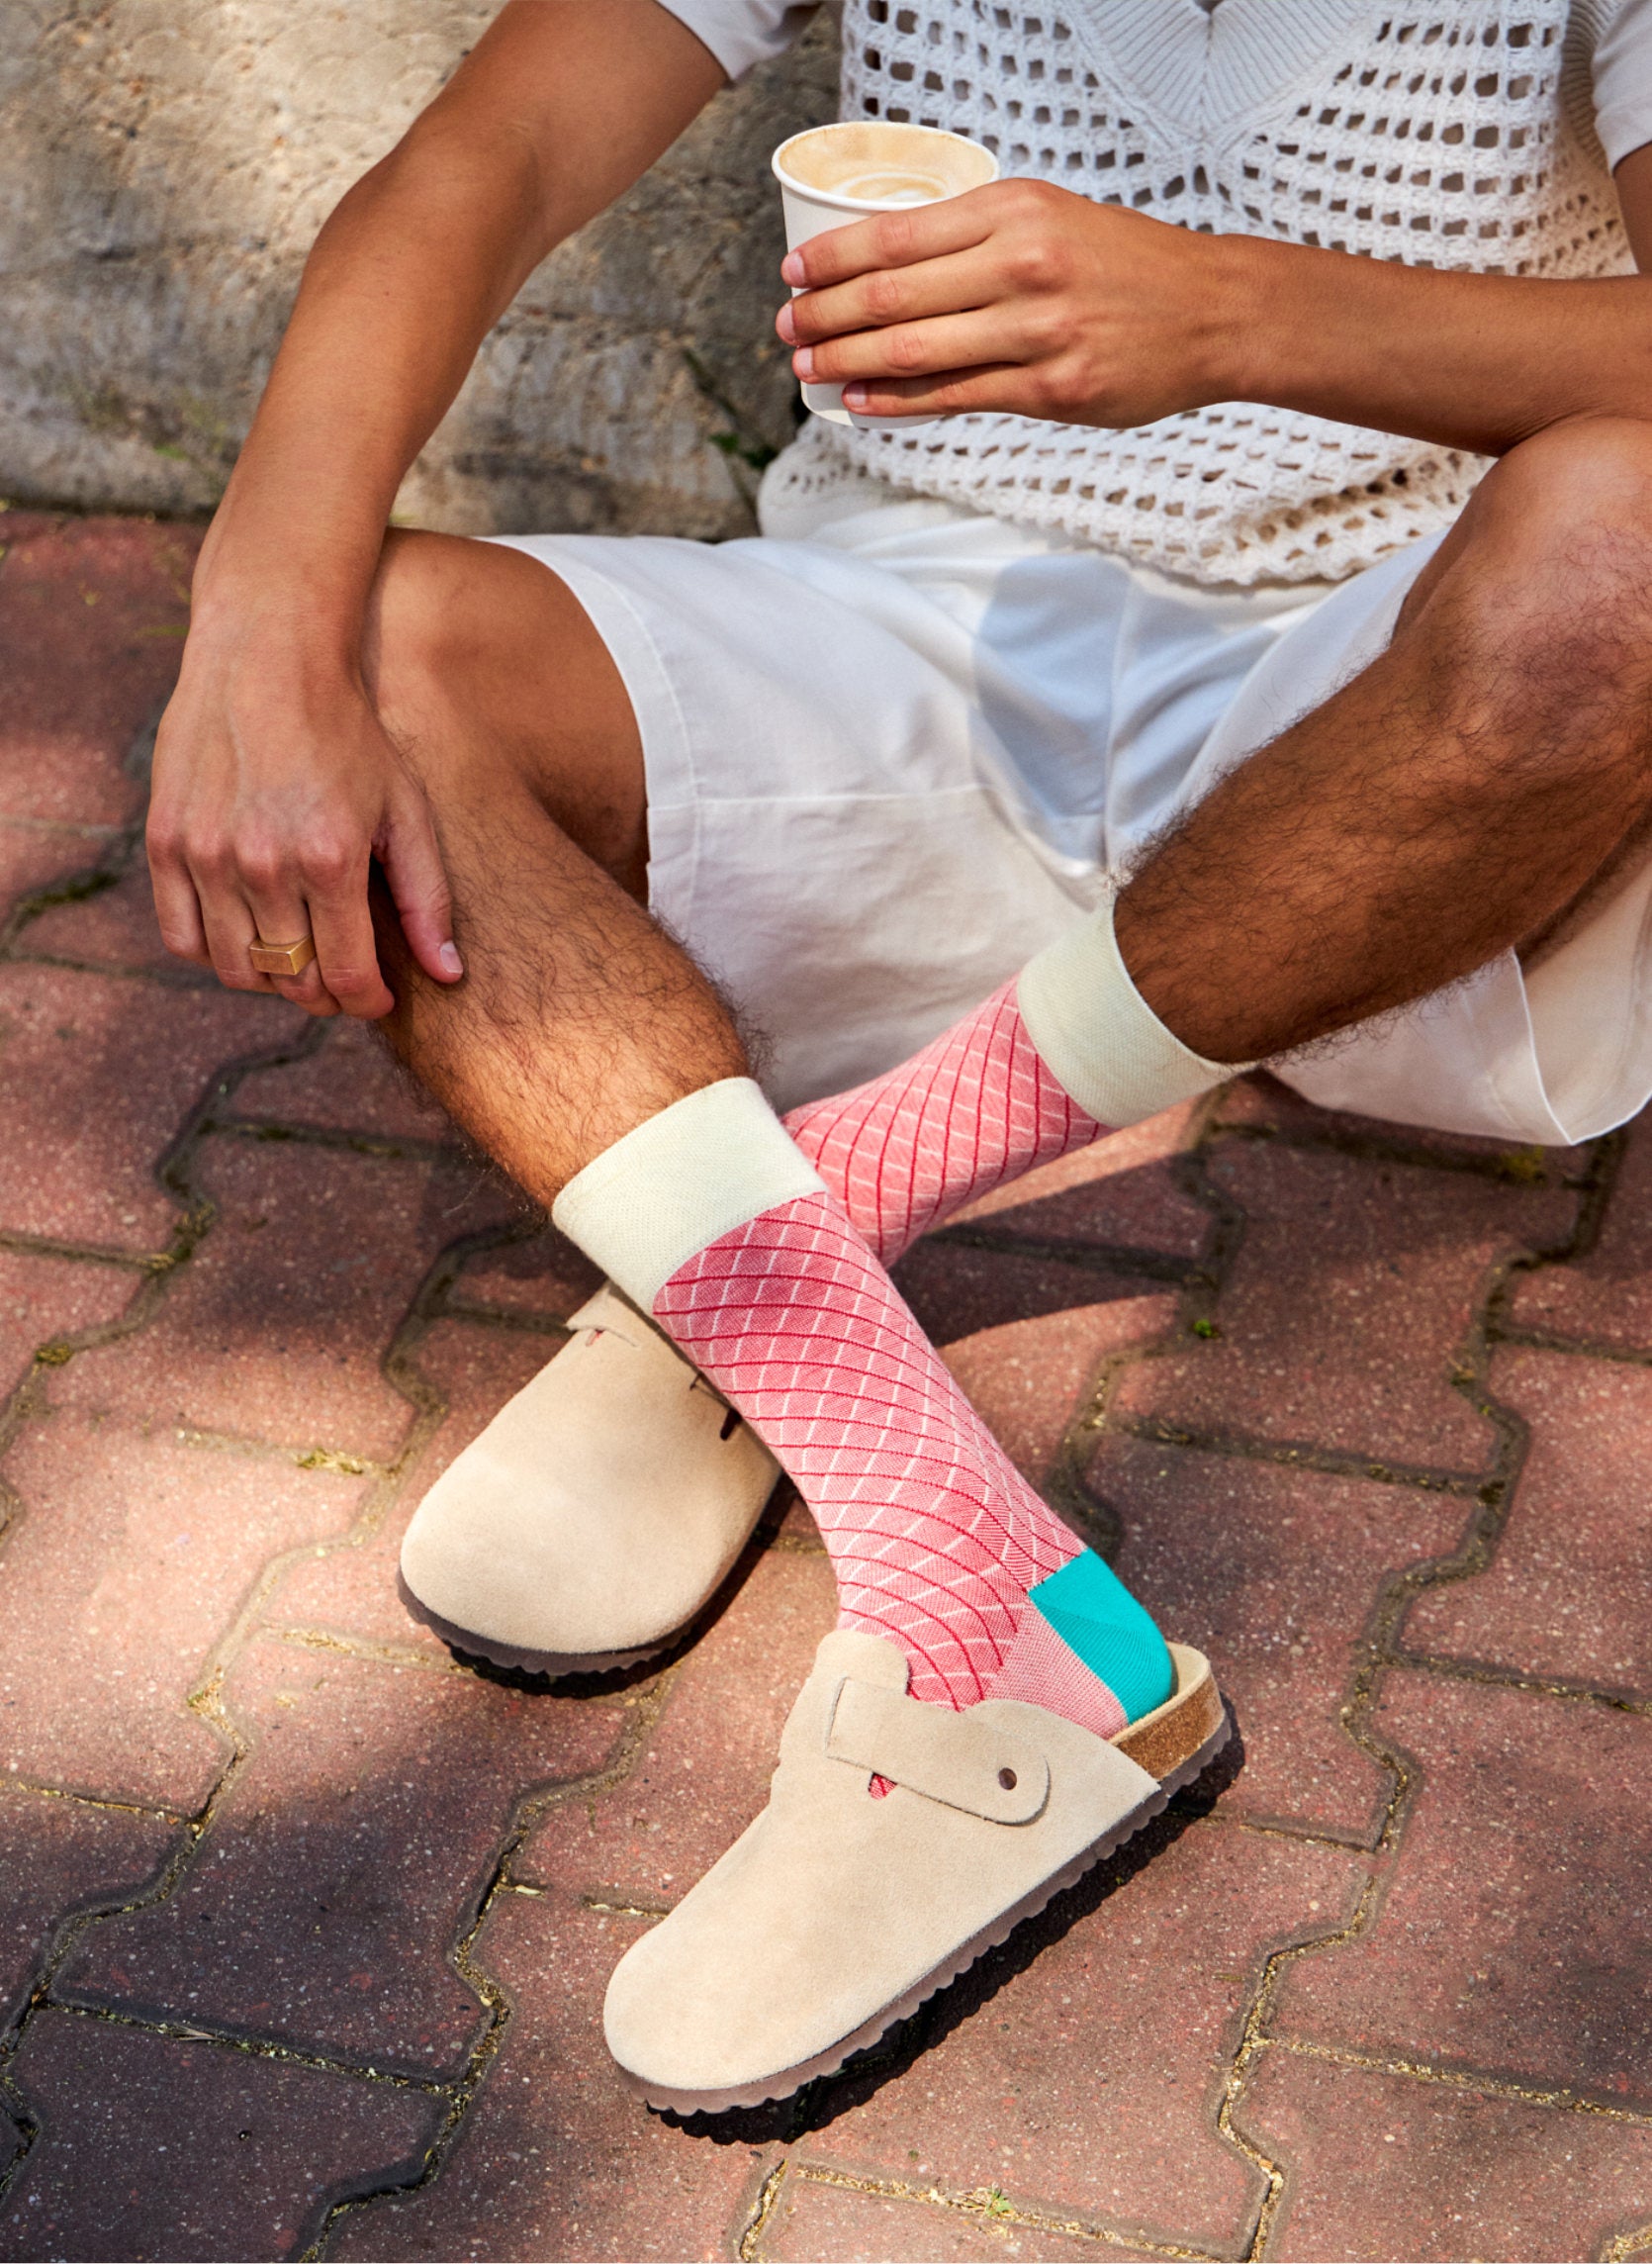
(281, 958)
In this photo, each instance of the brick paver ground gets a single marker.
(303, 1927)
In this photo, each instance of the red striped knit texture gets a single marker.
(933, 1534)
(975, 1108)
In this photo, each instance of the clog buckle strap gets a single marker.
(984, 1768)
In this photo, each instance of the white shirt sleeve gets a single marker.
(1622, 73)
(743, 33)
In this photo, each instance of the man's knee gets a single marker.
(488, 673)
(417, 654)
(1541, 599)
(1563, 527)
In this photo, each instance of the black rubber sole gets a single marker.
(552, 1664)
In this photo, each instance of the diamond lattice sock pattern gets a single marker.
(934, 1535)
(975, 1108)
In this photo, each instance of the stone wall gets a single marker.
(164, 165)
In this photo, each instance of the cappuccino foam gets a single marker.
(886, 188)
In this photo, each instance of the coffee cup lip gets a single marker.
(837, 203)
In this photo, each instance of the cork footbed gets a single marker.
(1160, 1741)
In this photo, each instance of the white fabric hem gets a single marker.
(679, 1183)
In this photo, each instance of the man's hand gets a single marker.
(1020, 297)
(274, 785)
(1026, 299)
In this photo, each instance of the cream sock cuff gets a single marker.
(681, 1178)
(1097, 1035)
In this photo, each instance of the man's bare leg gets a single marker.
(1473, 790)
(1486, 781)
(578, 1017)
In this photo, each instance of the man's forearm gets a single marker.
(403, 283)
(561, 106)
(1472, 361)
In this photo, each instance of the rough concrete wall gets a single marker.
(164, 165)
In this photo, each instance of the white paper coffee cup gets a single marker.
(831, 176)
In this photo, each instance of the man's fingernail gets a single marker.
(785, 323)
(802, 362)
(855, 396)
(452, 964)
(791, 267)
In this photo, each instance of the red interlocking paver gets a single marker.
(60, 1857)
(350, 1083)
(1089, 2080)
(1026, 1337)
(352, 1590)
(343, 1860)
(1570, 1593)
(205, 1501)
(1346, 1304)
(49, 1301)
(1383, 2166)
(1605, 1297)
(97, 1073)
(112, 926)
(34, 858)
(92, 615)
(1274, 1574)
(703, 1773)
(169, 2150)
(824, 2211)
(1122, 1192)
(542, 1274)
(131, 1557)
(277, 1327)
(1263, 1103)
(556, 2159)
(1516, 1933)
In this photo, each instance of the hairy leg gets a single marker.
(1475, 789)
(578, 1017)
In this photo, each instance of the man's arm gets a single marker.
(1027, 298)
(274, 784)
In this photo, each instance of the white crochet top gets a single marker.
(1467, 134)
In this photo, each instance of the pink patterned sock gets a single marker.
(975, 1108)
(708, 1216)
(933, 1534)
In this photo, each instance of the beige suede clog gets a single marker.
(597, 1514)
(835, 1914)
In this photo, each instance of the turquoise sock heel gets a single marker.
(1096, 1616)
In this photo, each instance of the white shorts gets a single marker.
(893, 748)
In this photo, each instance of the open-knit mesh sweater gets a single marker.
(1463, 134)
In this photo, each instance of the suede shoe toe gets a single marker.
(597, 1514)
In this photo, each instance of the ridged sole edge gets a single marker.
(549, 1663)
(787, 2080)
(555, 1664)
